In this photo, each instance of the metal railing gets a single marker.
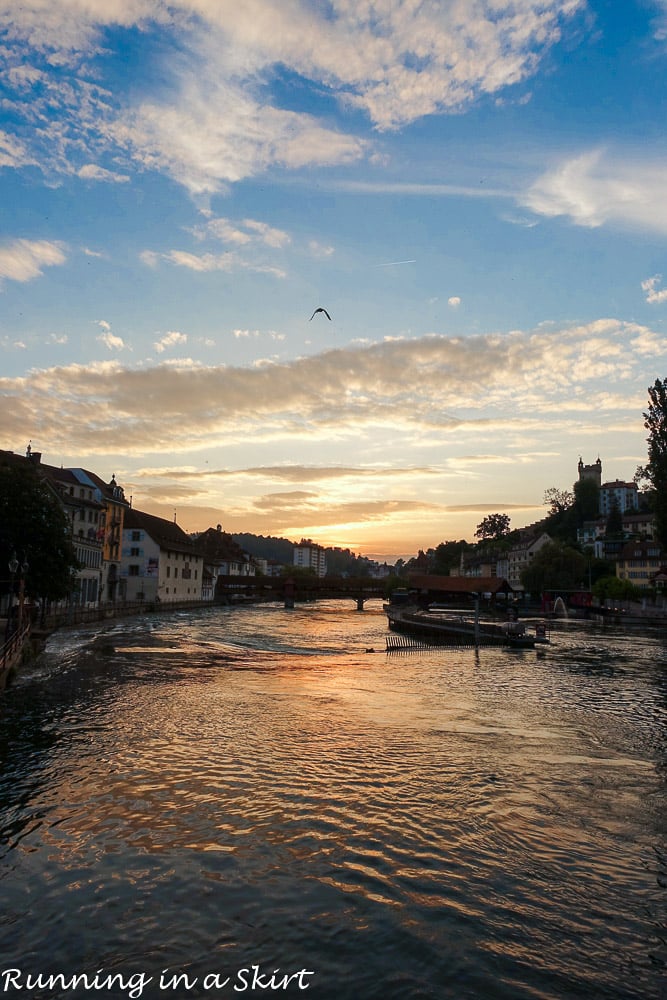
(11, 651)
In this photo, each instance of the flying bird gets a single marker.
(321, 310)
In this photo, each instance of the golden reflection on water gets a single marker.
(507, 803)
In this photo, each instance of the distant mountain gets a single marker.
(340, 562)
(281, 550)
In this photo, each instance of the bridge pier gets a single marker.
(360, 603)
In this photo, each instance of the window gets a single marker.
(135, 552)
(136, 536)
(133, 570)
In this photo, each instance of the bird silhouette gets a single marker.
(321, 310)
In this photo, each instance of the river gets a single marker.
(264, 801)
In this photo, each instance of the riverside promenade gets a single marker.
(27, 642)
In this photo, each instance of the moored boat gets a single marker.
(441, 627)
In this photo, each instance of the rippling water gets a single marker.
(205, 804)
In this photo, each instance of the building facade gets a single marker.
(624, 496)
(159, 561)
(308, 555)
(639, 563)
(520, 556)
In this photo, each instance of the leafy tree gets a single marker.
(616, 589)
(447, 556)
(614, 526)
(655, 471)
(555, 567)
(419, 563)
(494, 526)
(557, 500)
(586, 500)
(34, 527)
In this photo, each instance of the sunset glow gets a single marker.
(474, 193)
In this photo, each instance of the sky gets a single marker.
(474, 190)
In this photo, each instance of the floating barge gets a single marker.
(436, 627)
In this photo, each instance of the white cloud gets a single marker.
(454, 301)
(13, 152)
(419, 388)
(111, 341)
(320, 249)
(170, 340)
(654, 296)
(91, 172)
(599, 187)
(216, 123)
(242, 233)
(23, 260)
(208, 262)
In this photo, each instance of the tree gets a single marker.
(655, 471)
(610, 587)
(447, 556)
(34, 527)
(562, 520)
(557, 500)
(555, 567)
(494, 526)
(614, 526)
(586, 500)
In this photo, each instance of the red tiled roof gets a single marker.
(460, 584)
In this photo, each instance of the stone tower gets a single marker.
(593, 472)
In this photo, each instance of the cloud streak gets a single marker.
(600, 187)
(23, 260)
(422, 387)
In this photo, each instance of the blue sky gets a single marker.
(474, 190)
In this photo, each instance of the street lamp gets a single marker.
(12, 565)
(24, 569)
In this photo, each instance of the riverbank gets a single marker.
(33, 638)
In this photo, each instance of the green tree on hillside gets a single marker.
(610, 587)
(558, 501)
(555, 567)
(447, 556)
(34, 527)
(493, 527)
(614, 526)
(586, 500)
(655, 471)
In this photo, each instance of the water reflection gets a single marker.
(210, 791)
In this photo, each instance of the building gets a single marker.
(222, 556)
(114, 505)
(474, 564)
(308, 555)
(593, 472)
(159, 561)
(624, 496)
(635, 525)
(640, 563)
(85, 513)
(520, 556)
